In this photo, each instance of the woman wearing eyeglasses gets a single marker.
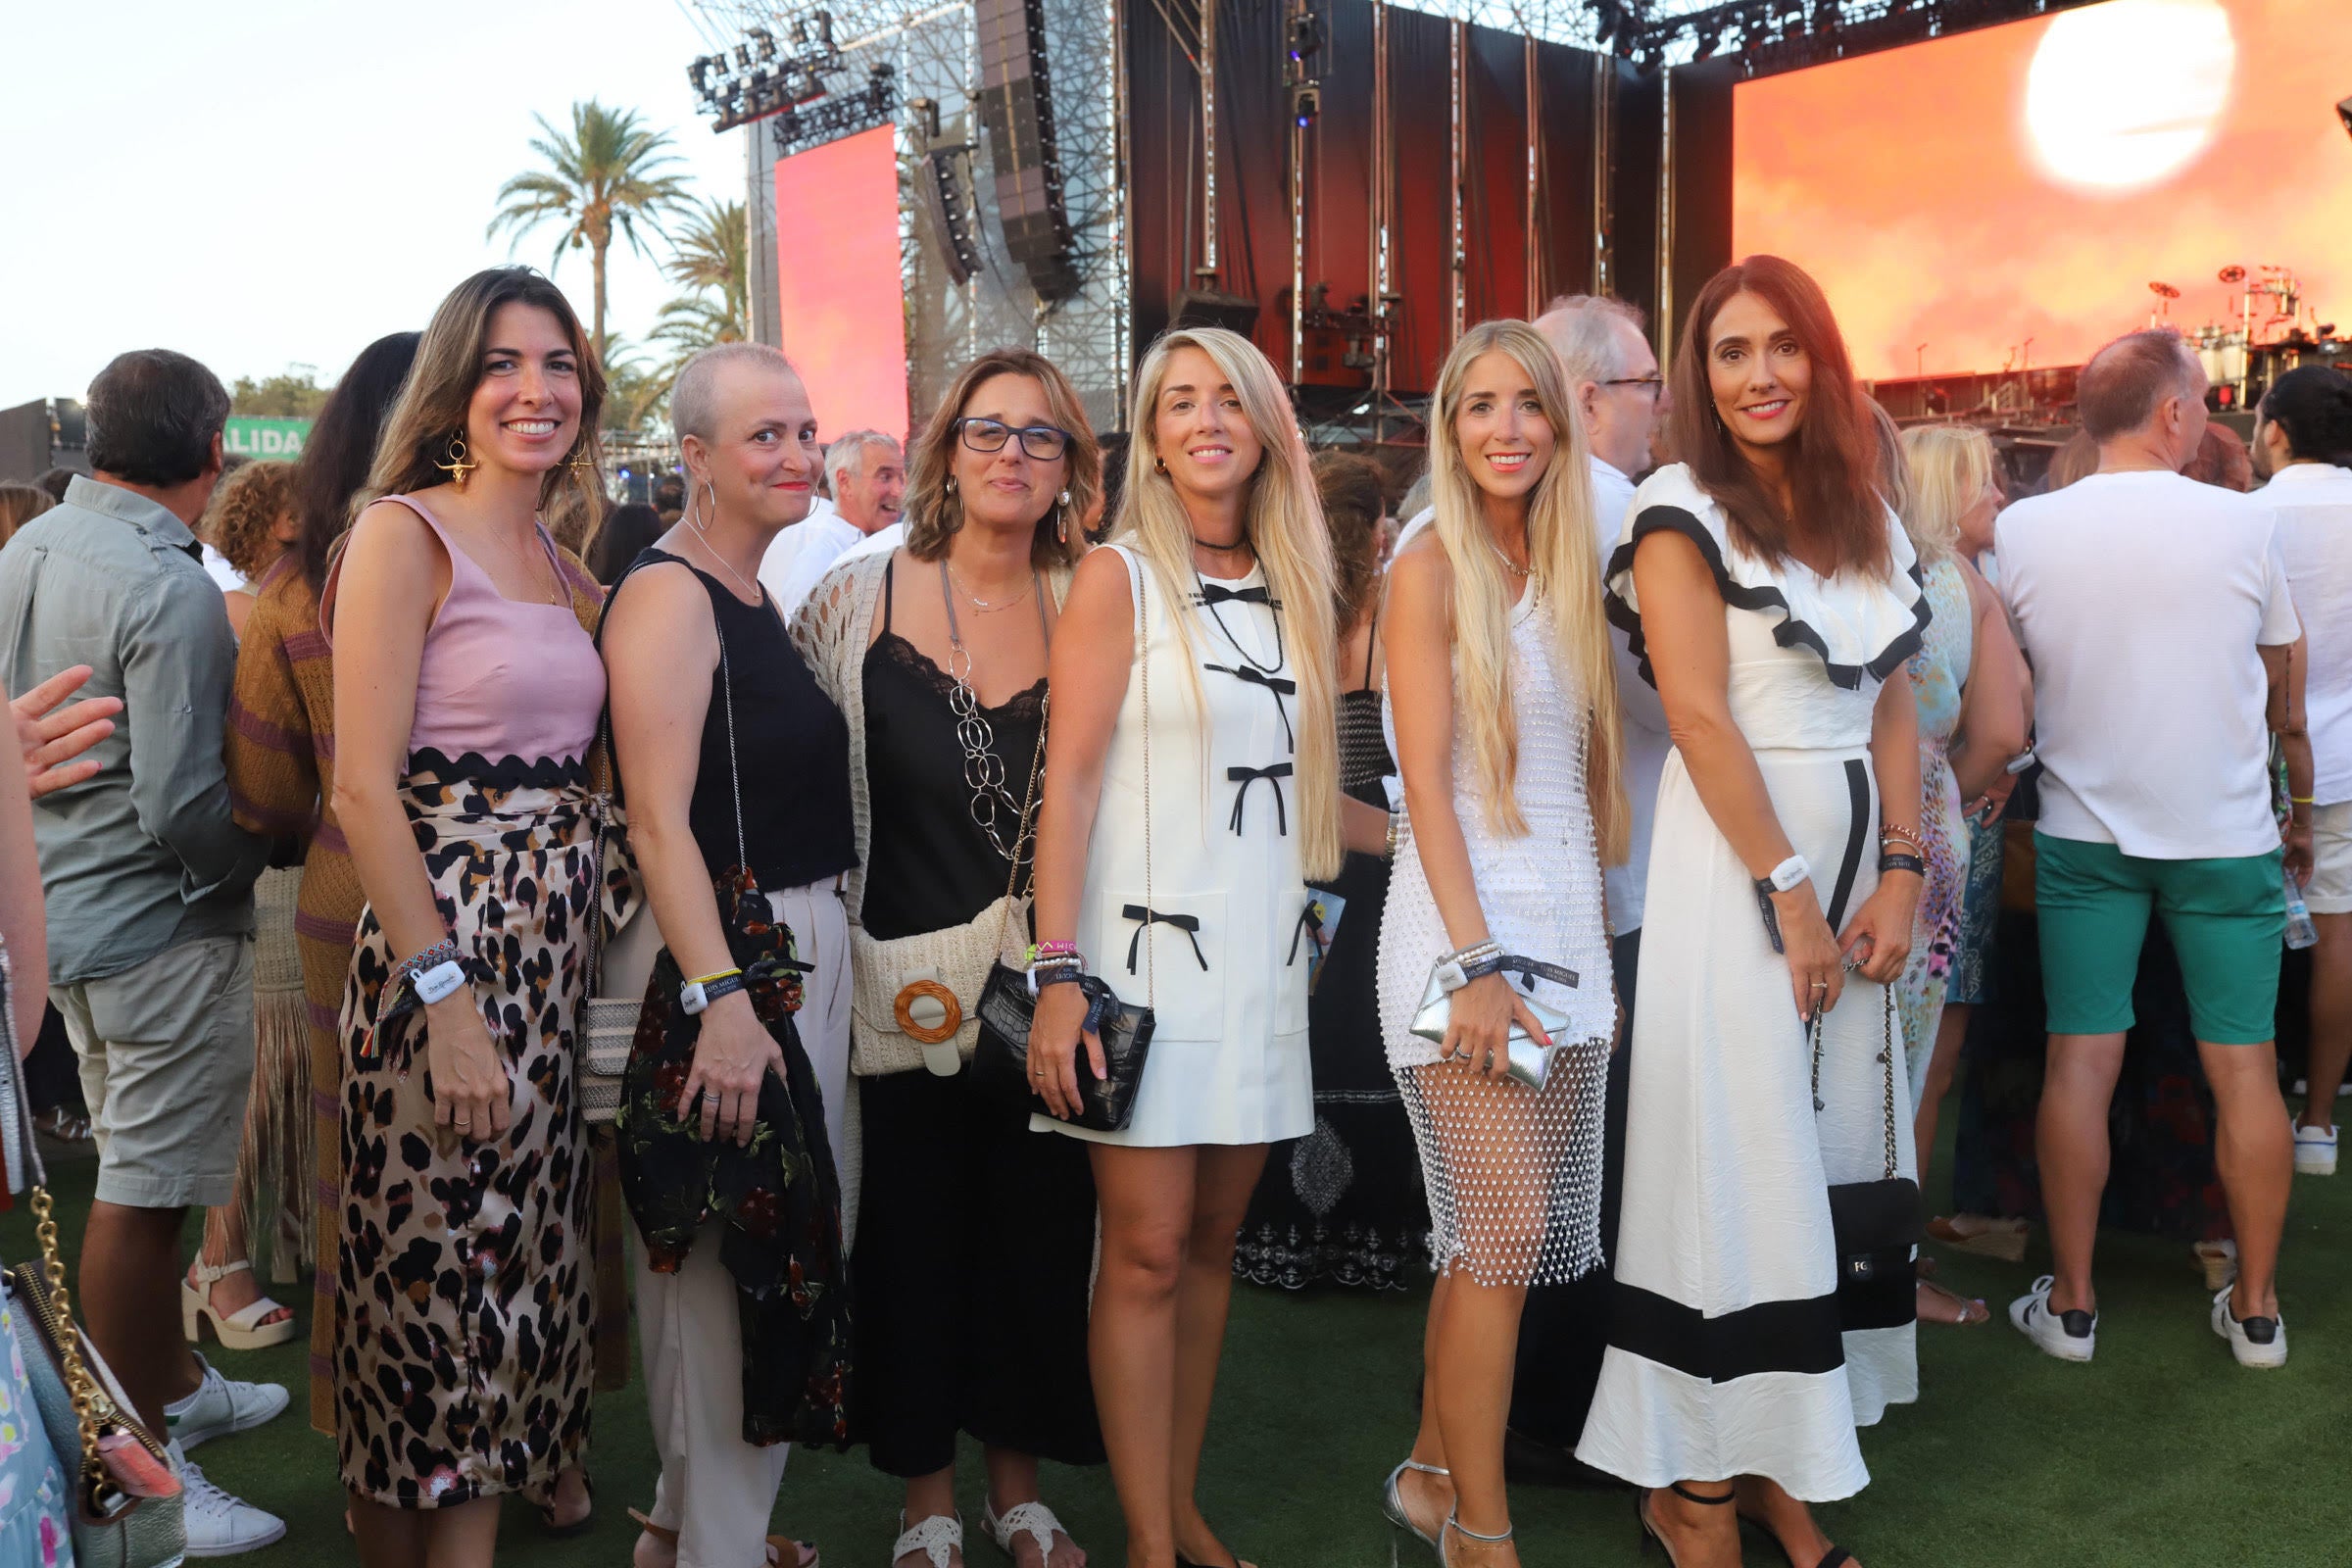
(936, 652)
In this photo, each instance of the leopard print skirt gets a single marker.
(464, 1310)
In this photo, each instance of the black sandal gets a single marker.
(1649, 1530)
(1834, 1557)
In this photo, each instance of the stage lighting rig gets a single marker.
(756, 79)
(1774, 35)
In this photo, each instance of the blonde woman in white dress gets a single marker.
(1222, 560)
(1512, 802)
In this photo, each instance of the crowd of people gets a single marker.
(873, 783)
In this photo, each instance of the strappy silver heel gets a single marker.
(1446, 1559)
(1391, 1504)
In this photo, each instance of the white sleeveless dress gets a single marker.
(1513, 1175)
(1726, 1353)
(1224, 965)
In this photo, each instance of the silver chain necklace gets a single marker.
(983, 768)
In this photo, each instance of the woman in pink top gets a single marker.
(469, 694)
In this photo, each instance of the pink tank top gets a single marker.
(502, 679)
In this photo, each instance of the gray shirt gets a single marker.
(144, 856)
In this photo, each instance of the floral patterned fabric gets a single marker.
(34, 1497)
(1938, 671)
(778, 1196)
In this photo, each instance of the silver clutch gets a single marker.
(1528, 1061)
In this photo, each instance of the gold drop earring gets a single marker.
(457, 468)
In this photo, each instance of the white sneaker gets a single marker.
(2068, 1335)
(2257, 1341)
(223, 1406)
(217, 1524)
(2315, 1151)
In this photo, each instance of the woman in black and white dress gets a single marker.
(1774, 600)
(1512, 801)
(1191, 786)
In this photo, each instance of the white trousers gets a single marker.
(717, 1491)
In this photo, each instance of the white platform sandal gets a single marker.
(1034, 1519)
(935, 1538)
(242, 1330)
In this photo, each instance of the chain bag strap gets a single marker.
(1879, 1223)
(127, 1497)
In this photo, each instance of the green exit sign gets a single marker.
(248, 436)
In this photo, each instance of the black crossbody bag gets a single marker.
(1877, 1224)
(1007, 1007)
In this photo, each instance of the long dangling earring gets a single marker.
(951, 484)
(578, 460)
(457, 468)
(1061, 518)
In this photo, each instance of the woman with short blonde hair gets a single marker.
(1191, 786)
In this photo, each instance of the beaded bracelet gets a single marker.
(1896, 830)
(415, 964)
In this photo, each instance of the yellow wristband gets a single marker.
(706, 979)
(2299, 800)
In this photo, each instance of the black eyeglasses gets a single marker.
(1044, 442)
(1653, 383)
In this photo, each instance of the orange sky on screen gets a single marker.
(1907, 183)
(842, 316)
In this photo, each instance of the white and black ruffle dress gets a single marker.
(1726, 1355)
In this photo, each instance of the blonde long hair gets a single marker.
(1564, 571)
(1284, 523)
(1949, 465)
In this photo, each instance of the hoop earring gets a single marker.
(1159, 463)
(951, 484)
(457, 468)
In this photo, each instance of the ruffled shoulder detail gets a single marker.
(1858, 626)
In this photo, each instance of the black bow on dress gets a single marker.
(1145, 918)
(1247, 776)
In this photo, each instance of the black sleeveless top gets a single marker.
(791, 753)
(929, 865)
(1364, 759)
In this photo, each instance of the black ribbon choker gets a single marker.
(1212, 594)
(1247, 776)
(1145, 918)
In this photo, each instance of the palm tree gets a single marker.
(635, 389)
(709, 252)
(607, 177)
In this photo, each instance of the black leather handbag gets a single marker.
(1877, 1224)
(1007, 1007)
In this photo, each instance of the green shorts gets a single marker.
(2225, 918)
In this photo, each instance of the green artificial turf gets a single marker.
(2161, 1451)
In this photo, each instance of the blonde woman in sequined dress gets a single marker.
(1512, 803)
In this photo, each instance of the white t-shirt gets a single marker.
(803, 553)
(2314, 503)
(227, 578)
(876, 542)
(1642, 717)
(2141, 598)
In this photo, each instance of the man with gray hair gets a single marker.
(868, 477)
(1614, 378)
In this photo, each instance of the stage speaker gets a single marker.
(1017, 105)
(1208, 307)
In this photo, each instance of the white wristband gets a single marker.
(443, 979)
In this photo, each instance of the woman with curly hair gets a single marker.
(252, 521)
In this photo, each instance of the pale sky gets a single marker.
(279, 181)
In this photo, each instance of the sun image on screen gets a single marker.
(2006, 197)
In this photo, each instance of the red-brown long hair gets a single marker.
(1834, 467)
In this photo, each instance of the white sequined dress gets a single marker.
(1513, 1175)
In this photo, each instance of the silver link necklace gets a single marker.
(983, 768)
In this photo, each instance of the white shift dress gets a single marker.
(1513, 1175)
(1223, 965)
(1726, 1355)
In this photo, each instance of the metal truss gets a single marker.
(930, 46)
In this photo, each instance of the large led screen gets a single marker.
(1965, 198)
(839, 309)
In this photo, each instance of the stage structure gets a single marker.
(1351, 182)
